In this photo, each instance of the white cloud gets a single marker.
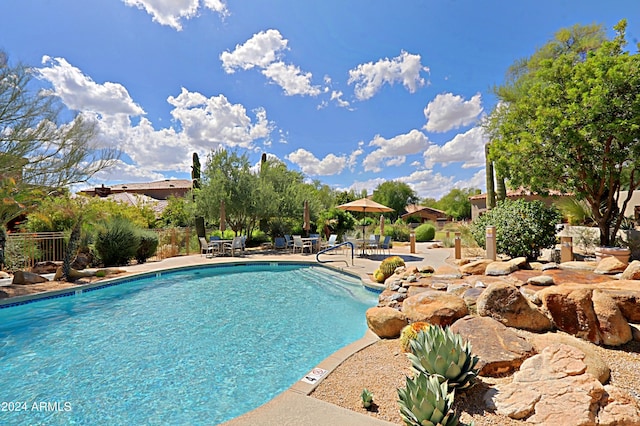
(426, 183)
(370, 77)
(264, 50)
(395, 150)
(259, 51)
(210, 123)
(311, 165)
(478, 180)
(204, 123)
(467, 148)
(291, 79)
(336, 96)
(81, 93)
(448, 111)
(123, 172)
(172, 12)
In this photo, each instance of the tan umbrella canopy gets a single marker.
(223, 217)
(307, 217)
(365, 206)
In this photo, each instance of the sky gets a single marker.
(351, 93)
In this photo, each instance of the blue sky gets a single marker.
(352, 93)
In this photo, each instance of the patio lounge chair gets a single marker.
(205, 249)
(331, 242)
(236, 244)
(299, 244)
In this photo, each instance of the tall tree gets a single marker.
(396, 195)
(570, 121)
(456, 203)
(195, 185)
(40, 152)
(38, 149)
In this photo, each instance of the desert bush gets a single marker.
(148, 244)
(117, 242)
(425, 232)
(523, 228)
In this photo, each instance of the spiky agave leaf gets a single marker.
(444, 354)
(425, 401)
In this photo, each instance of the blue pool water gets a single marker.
(188, 347)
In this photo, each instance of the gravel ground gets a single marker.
(382, 368)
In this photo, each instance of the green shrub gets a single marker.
(148, 245)
(117, 243)
(425, 232)
(523, 228)
(401, 231)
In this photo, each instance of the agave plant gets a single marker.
(425, 402)
(367, 398)
(444, 354)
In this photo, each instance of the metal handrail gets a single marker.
(333, 248)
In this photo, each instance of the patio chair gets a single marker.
(386, 244)
(279, 243)
(215, 244)
(331, 242)
(288, 240)
(234, 245)
(205, 249)
(299, 244)
(374, 243)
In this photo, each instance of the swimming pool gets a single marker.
(197, 346)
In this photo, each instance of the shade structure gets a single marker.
(307, 217)
(365, 206)
(223, 217)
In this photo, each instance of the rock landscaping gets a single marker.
(554, 376)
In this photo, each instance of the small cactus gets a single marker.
(367, 398)
(389, 265)
(410, 332)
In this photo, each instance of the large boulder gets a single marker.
(610, 265)
(477, 267)
(499, 349)
(46, 267)
(614, 328)
(595, 364)
(552, 388)
(571, 309)
(27, 278)
(500, 268)
(74, 274)
(386, 322)
(505, 303)
(626, 294)
(632, 272)
(434, 307)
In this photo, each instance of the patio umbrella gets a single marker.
(223, 217)
(365, 206)
(381, 225)
(307, 217)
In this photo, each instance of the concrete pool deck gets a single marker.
(294, 406)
